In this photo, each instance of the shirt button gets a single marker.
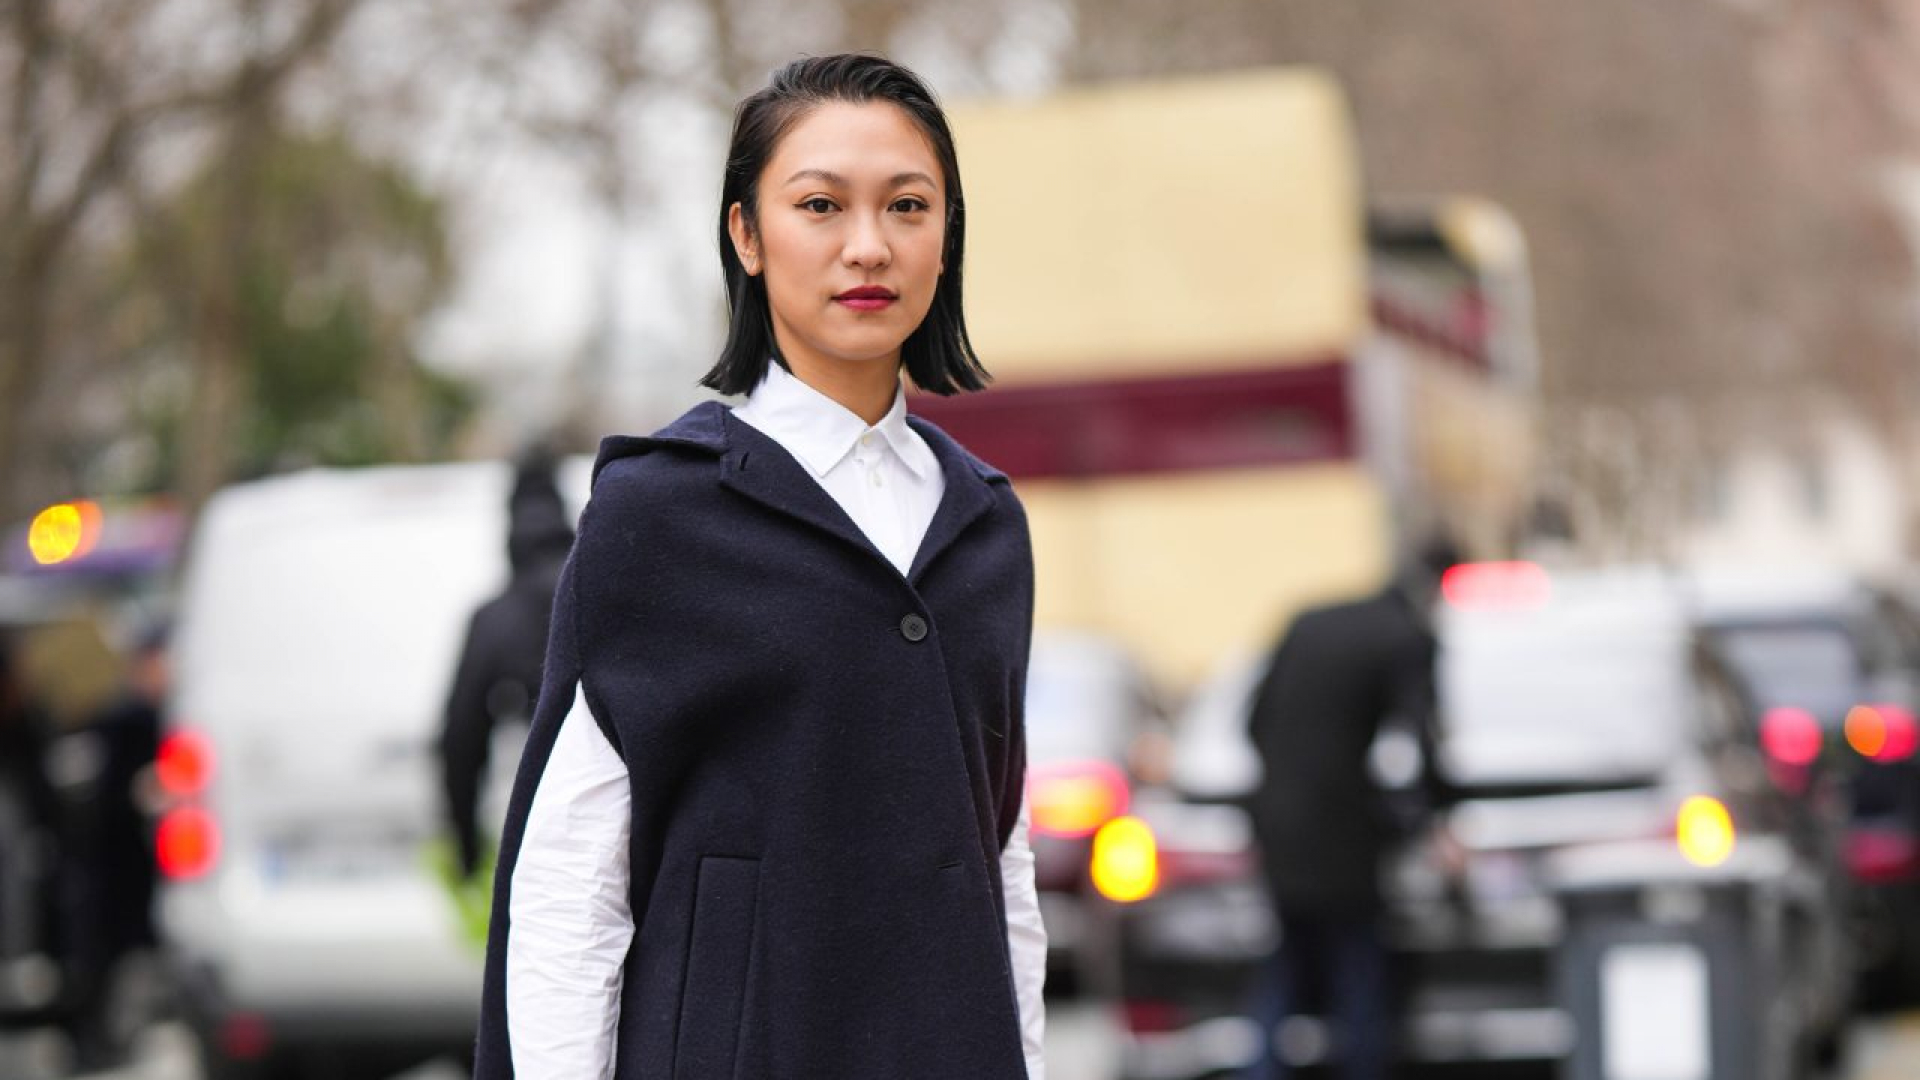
(913, 628)
(866, 439)
(876, 478)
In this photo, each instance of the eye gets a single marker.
(819, 204)
(911, 204)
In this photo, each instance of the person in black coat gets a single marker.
(1339, 675)
(769, 821)
(498, 675)
(29, 822)
(112, 856)
(128, 734)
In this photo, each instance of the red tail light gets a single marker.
(1903, 733)
(184, 765)
(1882, 855)
(1075, 798)
(1791, 736)
(187, 843)
(1497, 586)
(1151, 1017)
(246, 1036)
(1882, 732)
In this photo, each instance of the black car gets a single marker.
(1087, 704)
(1580, 731)
(1835, 668)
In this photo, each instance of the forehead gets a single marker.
(875, 139)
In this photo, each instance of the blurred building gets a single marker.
(1248, 397)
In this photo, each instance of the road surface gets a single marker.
(1080, 1046)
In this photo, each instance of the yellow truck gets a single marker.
(1226, 387)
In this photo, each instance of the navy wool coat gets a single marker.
(827, 758)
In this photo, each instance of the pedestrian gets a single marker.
(112, 920)
(769, 821)
(498, 676)
(1340, 674)
(30, 822)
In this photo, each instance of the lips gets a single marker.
(867, 298)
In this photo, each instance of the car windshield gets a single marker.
(1590, 694)
(350, 615)
(1083, 700)
(1808, 665)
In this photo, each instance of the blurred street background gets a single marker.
(1081, 1045)
(312, 314)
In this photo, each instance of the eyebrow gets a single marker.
(822, 175)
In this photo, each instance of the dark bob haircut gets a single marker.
(938, 354)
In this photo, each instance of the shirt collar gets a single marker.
(820, 431)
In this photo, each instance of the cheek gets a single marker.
(927, 256)
(789, 299)
(795, 243)
(788, 266)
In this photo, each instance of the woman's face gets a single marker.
(852, 213)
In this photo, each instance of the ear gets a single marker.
(744, 242)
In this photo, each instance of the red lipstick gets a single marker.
(867, 298)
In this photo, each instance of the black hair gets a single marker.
(1422, 565)
(938, 354)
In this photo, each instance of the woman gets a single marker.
(769, 822)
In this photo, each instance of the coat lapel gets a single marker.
(759, 468)
(756, 466)
(967, 497)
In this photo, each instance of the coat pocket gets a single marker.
(719, 948)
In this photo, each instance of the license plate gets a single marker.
(310, 861)
(1655, 1013)
(1499, 878)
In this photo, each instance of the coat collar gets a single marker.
(968, 496)
(821, 432)
(759, 468)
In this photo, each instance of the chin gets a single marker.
(870, 352)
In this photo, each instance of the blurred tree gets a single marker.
(339, 258)
(100, 114)
(272, 42)
(74, 119)
(211, 256)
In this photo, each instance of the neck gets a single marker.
(865, 390)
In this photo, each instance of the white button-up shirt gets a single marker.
(570, 923)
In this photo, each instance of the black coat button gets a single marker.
(913, 628)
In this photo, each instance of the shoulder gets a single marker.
(1334, 628)
(642, 482)
(632, 470)
(497, 612)
(1322, 617)
(699, 433)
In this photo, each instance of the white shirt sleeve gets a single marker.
(570, 923)
(1026, 944)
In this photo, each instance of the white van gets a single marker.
(320, 620)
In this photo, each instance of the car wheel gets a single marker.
(215, 1066)
(1829, 1052)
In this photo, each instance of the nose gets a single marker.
(866, 245)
